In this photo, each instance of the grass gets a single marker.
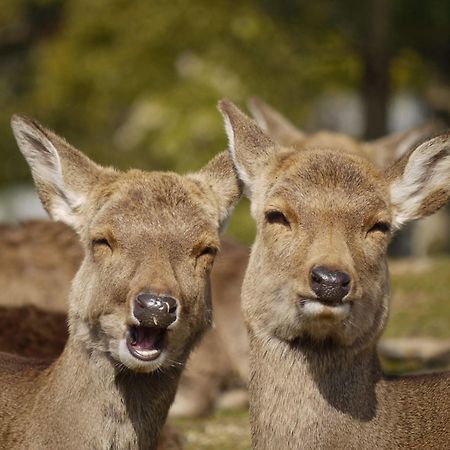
(421, 301)
(224, 430)
(420, 307)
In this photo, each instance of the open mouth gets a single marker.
(145, 343)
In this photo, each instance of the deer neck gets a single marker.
(315, 394)
(103, 405)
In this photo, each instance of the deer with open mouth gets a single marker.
(137, 306)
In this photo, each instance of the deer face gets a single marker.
(324, 218)
(142, 293)
(150, 246)
(319, 259)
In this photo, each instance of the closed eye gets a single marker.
(383, 227)
(277, 217)
(101, 242)
(208, 250)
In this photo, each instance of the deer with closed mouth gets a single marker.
(316, 293)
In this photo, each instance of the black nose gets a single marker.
(155, 310)
(330, 286)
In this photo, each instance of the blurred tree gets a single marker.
(384, 36)
(24, 24)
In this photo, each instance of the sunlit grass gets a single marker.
(221, 431)
(421, 300)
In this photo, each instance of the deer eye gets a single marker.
(277, 217)
(101, 242)
(208, 250)
(382, 227)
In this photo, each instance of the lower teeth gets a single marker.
(147, 353)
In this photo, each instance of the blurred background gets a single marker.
(135, 84)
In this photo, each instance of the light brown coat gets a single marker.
(315, 379)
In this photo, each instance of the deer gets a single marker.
(315, 295)
(39, 259)
(138, 304)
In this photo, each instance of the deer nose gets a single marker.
(155, 310)
(330, 286)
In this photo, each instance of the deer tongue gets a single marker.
(145, 342)
(147, 337)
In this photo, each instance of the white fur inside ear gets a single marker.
(232, 148)
(46, 168)
(65, 207)
(427, 171)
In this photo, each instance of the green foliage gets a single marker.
(136, 83)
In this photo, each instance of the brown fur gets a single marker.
(38, 261)
(221, 360)
(35, 333)
(156, 227)
(316, 382)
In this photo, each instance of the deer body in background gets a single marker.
(383, 151)
(316, 293)
(137, 306)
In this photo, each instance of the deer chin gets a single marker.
(316, 310)
(304, 317)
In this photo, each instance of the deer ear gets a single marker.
(420, 181)
(388, 149)
(250, 148)
(63, 176)
(277, 126)
(222, 180)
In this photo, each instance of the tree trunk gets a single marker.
(376, 58)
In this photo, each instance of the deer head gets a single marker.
(141, 296)
(318, 270)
